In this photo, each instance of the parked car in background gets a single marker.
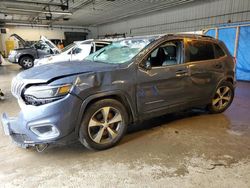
(26, 55)
(76, 51)
(128, 81)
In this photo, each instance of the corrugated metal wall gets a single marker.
(189, 17)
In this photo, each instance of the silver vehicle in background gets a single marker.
(25, 55)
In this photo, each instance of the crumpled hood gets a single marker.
(45, 73)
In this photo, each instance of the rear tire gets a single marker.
(26, 62)
(104, 124)
(222, 98)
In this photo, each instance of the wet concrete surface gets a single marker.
(186, 149)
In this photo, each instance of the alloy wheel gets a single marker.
(27, 63)
(222, 97)
(104, 126)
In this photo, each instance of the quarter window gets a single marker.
(218, 51)
(200, 51)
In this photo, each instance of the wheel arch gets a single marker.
(225, 79)
(116, 95)
(24, 55)
(230, 79)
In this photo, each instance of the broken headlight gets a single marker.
(39, 95)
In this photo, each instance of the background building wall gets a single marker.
(34, 34)
(189, 17)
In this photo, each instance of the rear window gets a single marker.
(218, 51)
(199, 51)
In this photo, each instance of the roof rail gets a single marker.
(187, 35)
(207, 36)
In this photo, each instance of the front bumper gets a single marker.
(11, 128)
(12, 58)
(61, 114)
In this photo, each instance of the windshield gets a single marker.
(120, 52)
(68, 47)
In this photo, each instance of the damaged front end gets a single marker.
(11, 128)
(51, 102)
(49, 112)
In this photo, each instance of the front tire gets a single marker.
(222, 99)
(26, 62)
(104, 124)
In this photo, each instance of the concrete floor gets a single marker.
(191, 149)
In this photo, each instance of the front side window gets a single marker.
(40, 45)
(199, 51)
(120, 52)
(76, 50)
(167, 54)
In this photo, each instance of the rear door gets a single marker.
(205, 68)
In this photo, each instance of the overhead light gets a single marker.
(41, 11)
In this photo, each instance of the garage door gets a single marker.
(228, 36)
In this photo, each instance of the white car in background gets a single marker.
(76, 51)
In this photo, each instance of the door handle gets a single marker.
(218, 66)
(181, 73)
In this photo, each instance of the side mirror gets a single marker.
(148, 65)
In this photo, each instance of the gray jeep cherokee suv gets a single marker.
(131, 80)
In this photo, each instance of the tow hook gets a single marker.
(41, 147)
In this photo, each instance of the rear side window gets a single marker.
(218, 52)
(199, 51)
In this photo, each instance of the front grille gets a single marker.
(17, 87)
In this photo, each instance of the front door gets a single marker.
(165, 82)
